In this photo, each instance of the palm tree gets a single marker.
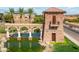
(1, 16)
(7, 17)
(21, 12)
(30, 11)
(11, 11)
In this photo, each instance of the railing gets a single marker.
(65, 26)
(21, 24)
(72, 24)
(53, 26)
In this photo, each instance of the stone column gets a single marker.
(19, 37)
(19, 34)
(40, 34)
(30, 37)
(30, 34)
(7, 34)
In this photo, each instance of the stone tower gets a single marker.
(53, 25)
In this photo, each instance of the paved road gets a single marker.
(72, 33)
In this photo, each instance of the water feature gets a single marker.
(24, 43)
(26, 35)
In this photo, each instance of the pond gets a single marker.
(24, 45)
(26, 35)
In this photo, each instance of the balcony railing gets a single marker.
(53, 26)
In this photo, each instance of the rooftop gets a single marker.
(54, 9)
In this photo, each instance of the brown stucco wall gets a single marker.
(59, 31)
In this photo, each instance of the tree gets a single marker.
(11, 11)
(1, 16)
(7, 17)
(38, 19)
(30, 11)
(21, 12)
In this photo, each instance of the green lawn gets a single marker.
(67, 46)
(25, 45)
(2, 29)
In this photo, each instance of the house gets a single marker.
(23, 19)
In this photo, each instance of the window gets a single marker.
(25, 16)
(54, 20)
(53, 36)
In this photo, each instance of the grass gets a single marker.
(26, 45)
(2, 29)
(34, 46)
(67, 46)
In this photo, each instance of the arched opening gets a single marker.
(36, 33)
(37, 30)
(24, 29)
(13, 32)
(24, 32)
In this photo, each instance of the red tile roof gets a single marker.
(54, 9)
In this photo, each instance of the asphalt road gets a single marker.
(72, 33)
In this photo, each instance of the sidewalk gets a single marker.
(48, 48)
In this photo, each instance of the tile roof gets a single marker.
(54, 9)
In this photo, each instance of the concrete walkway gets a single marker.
(2, 41)
(48, 48)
